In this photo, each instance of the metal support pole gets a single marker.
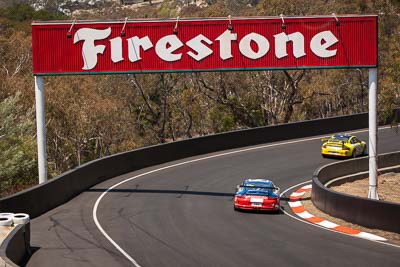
(41, 129)
(372, 146)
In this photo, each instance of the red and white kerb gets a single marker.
(298, 208)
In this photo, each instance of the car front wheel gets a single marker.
(363, 152)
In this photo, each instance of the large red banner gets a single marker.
(145, 46)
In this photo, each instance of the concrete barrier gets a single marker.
(15, 249)
(363, 211)
(44, 197)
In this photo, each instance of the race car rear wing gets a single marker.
(256, 186)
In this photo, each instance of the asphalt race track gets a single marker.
(183, 216)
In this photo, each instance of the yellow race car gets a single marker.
(343, 145)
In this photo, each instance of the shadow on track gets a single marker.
(181, 193)
(279, 212)
(159, 191)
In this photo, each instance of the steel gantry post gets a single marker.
(41, 129)
(373, 125)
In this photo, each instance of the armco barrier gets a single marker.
(363, 211)
(57, 191)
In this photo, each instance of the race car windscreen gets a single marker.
(340, 138)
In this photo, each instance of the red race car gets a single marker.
(257, 194)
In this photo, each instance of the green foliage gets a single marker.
(19, 17)
(222, 119)
(23, 12)
(17, 145)
(93, 116)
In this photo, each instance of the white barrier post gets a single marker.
(41, 129)
(372, 145)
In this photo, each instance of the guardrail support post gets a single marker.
(372, 145)
(41, 129)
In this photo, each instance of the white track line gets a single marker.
(96, 205)
(300, 192)
(364, 236)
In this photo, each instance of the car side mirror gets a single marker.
(237, 187)
(324, 139)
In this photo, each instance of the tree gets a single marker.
(18, 165)
(89, 117)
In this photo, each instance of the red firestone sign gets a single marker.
(145, 46)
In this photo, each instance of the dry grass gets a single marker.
(388, 187)
(388, 190)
